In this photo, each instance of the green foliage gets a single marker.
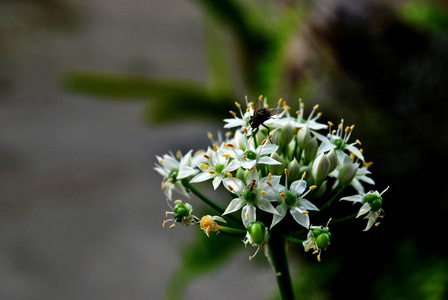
(426, 16)
(200, 256)
(412, 276)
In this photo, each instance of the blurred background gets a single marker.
(91, 91)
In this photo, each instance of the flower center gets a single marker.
(250, 154)
(219, 168)
(290, 199)
(339, 143)
(249, 196)
(173, 174)
(374, 201)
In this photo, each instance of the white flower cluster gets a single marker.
(274, 162)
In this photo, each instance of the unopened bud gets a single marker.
(303, 136)
(347, 173)
(333, 158)
(321, 167)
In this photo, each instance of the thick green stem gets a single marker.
(279, 260)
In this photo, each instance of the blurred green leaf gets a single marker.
(199, 257)
(426, 16)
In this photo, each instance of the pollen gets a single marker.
(208, 224)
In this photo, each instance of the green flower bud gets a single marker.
(321, 237)
(303, 136)
(276, 169)
(321, 167)
(311, 150)
(321, 189)
(333, 158)
(347, 173)
(257, 232)
(275, 136)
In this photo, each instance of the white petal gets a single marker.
(265, 205)
(308, 205)
(248, 214)
(354, 198)
(299, 186)
(234, 205)
(201, 177)
(236, 185)
(300, 218)
(266, 160)
(355, 151)
(364, 209)
(282, 213)
(216, 182)
(185, 172)
(266, 149)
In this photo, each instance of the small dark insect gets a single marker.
(261, 115)
(252, 185)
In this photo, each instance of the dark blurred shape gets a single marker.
(391, 77)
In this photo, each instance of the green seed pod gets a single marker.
(375, 205)
(323, 240)
(257, 232)
(181, 210)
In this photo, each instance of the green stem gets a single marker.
(339, 190)
(202, 197)
(232, 231)
(279, 260)
(344, 218)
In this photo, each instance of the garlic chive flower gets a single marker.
(338, 140)
(251, 157)
(173, 169)
(293, 200)
(208, 223)
(256, 193)
(371, 205)
(243, 121)
(215, 167)
(318, 238)
(182, 213)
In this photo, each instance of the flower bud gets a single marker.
(275, 136)
(311, 150)
(294, 171)
(333, 158)
(321, 167)
(347, 173)
(287, 134)
(303, 136)
(276, 169)
(321, 189)
(257, 232)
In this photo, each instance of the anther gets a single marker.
(237, 104)
(318, 258)
(282, 195)
(260, 97)
(172, 226)
(377, 223)
(263, 142)
(163, 224)
(214, 148)
(212, 172)
(232, 113)
(229, 175)
(206, 156)
(358, 142)
(209, 135)
(330, 123)
(263, 192)
(166, 214)
(286, 172)
(226, 155)
(304, 175)
(305, 212)
(230, 187)
(205, 166)
(316, 107)
(178, 154)
(313, 187)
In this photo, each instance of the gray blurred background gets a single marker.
(80, 206)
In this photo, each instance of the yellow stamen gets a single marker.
(282, 195)
(305, 212)
(319, 114)
(368, 164)
(229, 175)
(313, 187)
(178, 154)
(214, 148)
(229, 133)
(318, 258)
(304, 175)
(260, 97)
(269, 176)
(347, 129)
(286, 172)
(268, 183)
(316, 107)
(280, 101)
(163, 224)
(358, 142)
(206, 156)
(166, 214)
(352, 127)
(229, 145)
(230, 187)
(226, 155)
(209, 135)
(263, 142)
(237, 104)
(263, 192)
(212, 172)
(246, 216)
(330, 123)
(315, 251)
(377, 223)
(205, 166)
(245, 130)
(172, 226)
(232, 113)
(163, 185)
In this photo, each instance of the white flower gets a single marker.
(243, 121)
(293, 200)
(251, 157)
(372, 202)
(258, 193)
(215, 167)
(338, 140)
(173, 169)
(318, 238)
